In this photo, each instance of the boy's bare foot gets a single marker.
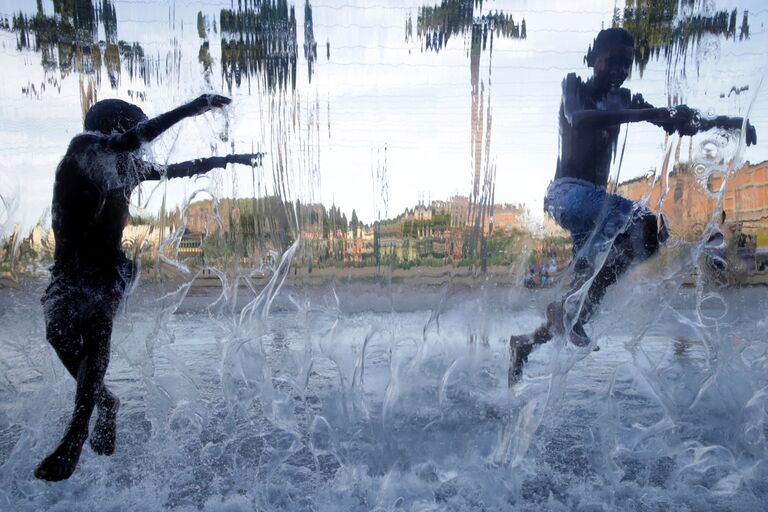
(104, 433)
(520, 347)
(60, 464)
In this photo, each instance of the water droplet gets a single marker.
(713, 307)
(715, 239)
(715, 181)
(709, 150)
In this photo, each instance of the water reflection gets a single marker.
(259, 41)
(310, 45)
(243, 228)
(204, 55)
(435, 26)
(670, 28)
(259, 38)
(68, 41)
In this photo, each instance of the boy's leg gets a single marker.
(640, 241)
(62, 329)
(611, 219)
(79, 327)
(597, 221)
(98, 336)
(616, 263)
(60, 464)
(565, 202)
(639, 237)
(520, 347)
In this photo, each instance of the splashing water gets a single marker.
(344, 403)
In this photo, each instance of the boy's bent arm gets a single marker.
(604, 118)
(578, 116)
(149, 130)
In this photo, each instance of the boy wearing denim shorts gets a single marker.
(608, 232)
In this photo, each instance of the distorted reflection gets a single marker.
(259, 39)
(435, 25)
(68, 41)
(670, 28)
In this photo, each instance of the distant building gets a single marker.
(689, 198)
(421, 212)
(203, 217)
(508, 218)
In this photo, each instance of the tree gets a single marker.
(354, 223)
(201, 32)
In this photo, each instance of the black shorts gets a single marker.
(81, 295)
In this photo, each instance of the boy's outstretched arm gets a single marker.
(150, 129)
(203, 165)
(689, 121)
(700, 124)
(200, 166)
(578, 116)
(604, 118)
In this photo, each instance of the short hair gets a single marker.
(108, 116)
(606, 39)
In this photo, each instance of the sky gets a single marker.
(375, 90)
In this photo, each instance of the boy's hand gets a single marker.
(245, 159)
(663, 118)
(681, 119)
(689, 120)
(208, 102)
(684, 119)
(751, 134)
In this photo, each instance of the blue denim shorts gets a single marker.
(590, 213)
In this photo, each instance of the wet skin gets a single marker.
(90, 210)
(590, 116)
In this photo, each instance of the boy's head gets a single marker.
(611, 56)
(109, 116)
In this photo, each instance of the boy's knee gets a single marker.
(61, 334)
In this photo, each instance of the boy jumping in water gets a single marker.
(90, 273)
(602, 224)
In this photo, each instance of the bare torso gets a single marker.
(90, 205)
(586, 151)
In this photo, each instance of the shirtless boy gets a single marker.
(600, 223)
(90, 273)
